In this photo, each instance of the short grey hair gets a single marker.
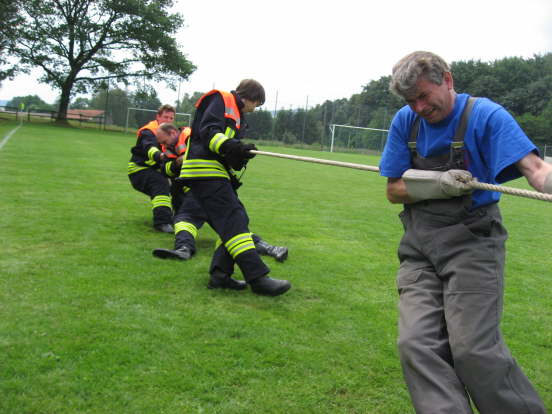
(167, 127)
(410, 68)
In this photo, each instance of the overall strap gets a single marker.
(414, 134)
(457, 140)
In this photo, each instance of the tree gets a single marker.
(114, 102)
(11, 21)
(145, 99)
(187, 103)
(81, 43)
(259, 125)
(81, 103)
(29, 102)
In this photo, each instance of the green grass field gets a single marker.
(92, 323)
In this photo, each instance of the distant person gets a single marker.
(214, 154)
(144, 168)
(451, 275)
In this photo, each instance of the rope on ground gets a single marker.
(475, 184)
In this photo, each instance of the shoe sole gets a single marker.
(166, 254)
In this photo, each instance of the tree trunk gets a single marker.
(64, 104)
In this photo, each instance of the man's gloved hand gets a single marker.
(247, 148)
(237, 154)
(426, 185)
(455, 183)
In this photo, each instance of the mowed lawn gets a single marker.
(91, 322)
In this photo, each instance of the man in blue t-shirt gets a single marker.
(452, 253)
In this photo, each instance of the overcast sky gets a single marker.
(330, 49)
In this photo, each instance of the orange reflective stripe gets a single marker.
(231, 109)
(182, 142)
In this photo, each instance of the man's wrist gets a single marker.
(548, 183)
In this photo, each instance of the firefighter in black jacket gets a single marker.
(189, 216)
(144, 170)
(214, 153)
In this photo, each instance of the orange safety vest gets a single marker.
(231, 109)
(152, 126)
(180, 146)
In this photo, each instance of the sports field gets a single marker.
(90, 322)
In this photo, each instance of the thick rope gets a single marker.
(475, 184)
(319, 161)
(512, 191)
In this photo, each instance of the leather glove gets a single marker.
(426, 185)
(455, 183)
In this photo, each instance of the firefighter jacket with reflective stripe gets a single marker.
(147, 151)
(218, 119)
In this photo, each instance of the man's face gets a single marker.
(167, 139)
(249, 106)
(431, 101)
(166, 116)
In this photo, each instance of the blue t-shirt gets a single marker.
(493, 143)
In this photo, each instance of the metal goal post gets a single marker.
(333, 128)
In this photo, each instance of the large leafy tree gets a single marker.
(80, 44)
(11, 21)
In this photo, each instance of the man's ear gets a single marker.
(447, 76)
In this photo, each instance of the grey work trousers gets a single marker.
(450, 284)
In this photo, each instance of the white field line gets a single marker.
(8, 135)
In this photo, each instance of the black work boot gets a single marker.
(280, 253)
(182, 253)
(164, 228)
(220, 280)
(268, 286)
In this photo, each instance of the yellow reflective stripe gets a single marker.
(161, 201)
(202, 168)
(215, 142)
(185, 226)
(168, 169)
(229, 132)
(239, 244)
(151, 152)
(133, 167)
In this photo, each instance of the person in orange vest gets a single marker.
(144, 169)
(189, 217)
(215, 152)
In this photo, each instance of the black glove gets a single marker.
(246, 148)
(237, 154)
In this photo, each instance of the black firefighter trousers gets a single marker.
(156, 186)
(227, 216)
